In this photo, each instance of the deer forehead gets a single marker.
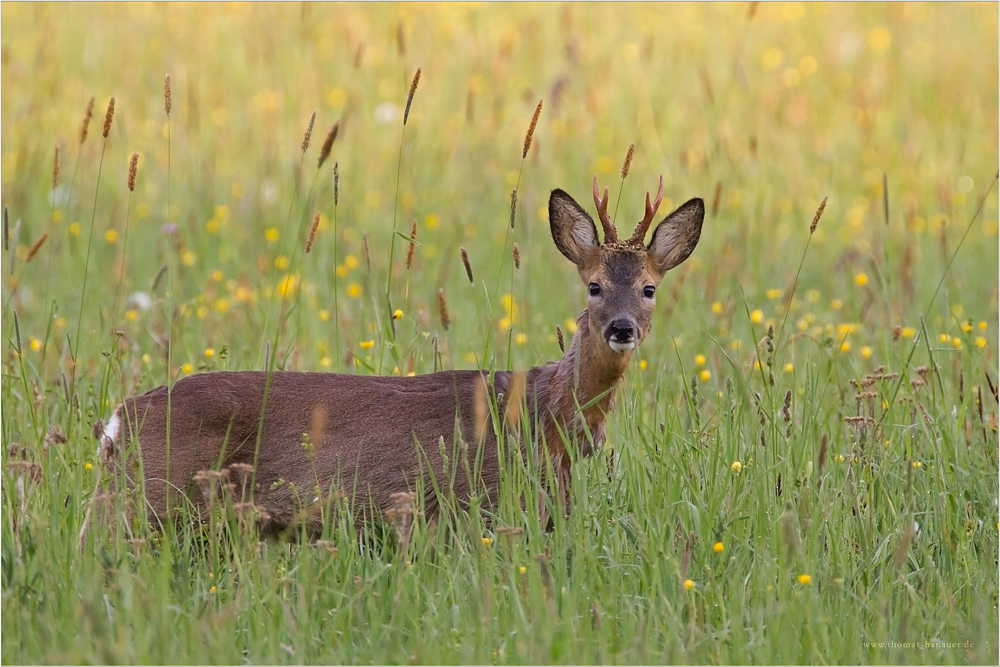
(619, 266)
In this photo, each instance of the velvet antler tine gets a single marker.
(610, 232)
(651, 208)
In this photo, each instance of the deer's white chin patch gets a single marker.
(621, 347)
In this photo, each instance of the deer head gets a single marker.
(622, 276)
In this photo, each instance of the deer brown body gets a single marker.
(372, 437)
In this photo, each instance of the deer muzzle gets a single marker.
(620, 335)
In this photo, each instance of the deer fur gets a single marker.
(373, 437)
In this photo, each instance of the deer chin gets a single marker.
(621, 348)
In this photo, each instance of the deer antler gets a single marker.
(610, 232)
(643, 227)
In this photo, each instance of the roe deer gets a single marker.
(373, 437)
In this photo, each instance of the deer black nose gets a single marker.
(620, 331)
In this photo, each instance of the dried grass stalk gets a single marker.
(515, 400)
(400, 40)
(312, 233)
(467, 264)
(168, 100)
(336, 183)
(331, 137)
(37, 245)
(531, 130)
(410, 248)
(513, 206)
(401, 514)
(409, 96)
(482, 411)
(133, 167)
(819, 214)
(627, 165)
(308, 135)
(366, 251)
(109, 116)
(85, 125)
(317, 427)
(443, 309)
(55, 168)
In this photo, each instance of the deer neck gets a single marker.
(586, 377)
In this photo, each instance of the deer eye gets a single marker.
(594, 288)
(648, 291)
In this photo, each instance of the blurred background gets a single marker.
(760, 109)
(871, 406)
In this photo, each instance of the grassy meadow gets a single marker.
(824, 494)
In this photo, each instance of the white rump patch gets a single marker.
(111, 432)
(621, 347)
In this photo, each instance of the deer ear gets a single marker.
(676, 236)
(572, 229)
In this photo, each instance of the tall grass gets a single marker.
(822, 493)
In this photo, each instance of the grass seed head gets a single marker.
(717, 199)
(467, 264)
(443, 309)
(312, 233)
(242, 472)
(560, 339)
(168, 101)
(517, 257)
(412, 244)
(366, 251)
(359, 52)
(55, 436)
(331, 137)
(400, 40)
(409, 96)
(336, 183)
(85, 125)
(133, 167)
(308, 135)
(531, 130)
(108, 117)
(401, 514)
(36, 246)
(513, 206)
(481, 407)
(26, 470)
(55, 168)
(317, 426)
(515, 399)
(627, 165)
(819, 214)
